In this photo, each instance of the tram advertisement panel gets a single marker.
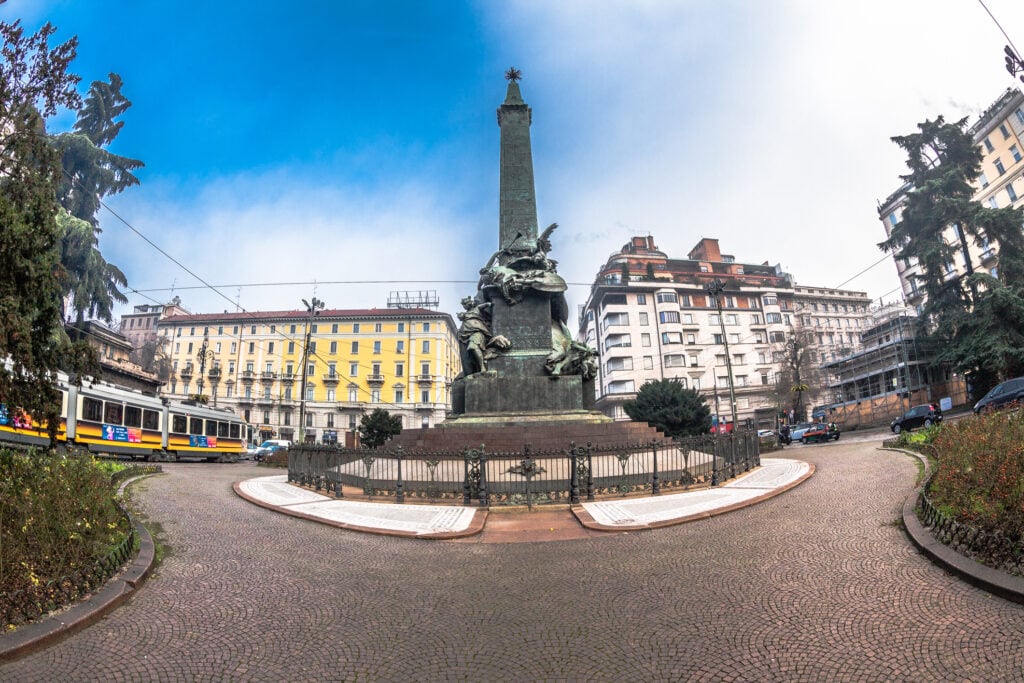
(119, 433)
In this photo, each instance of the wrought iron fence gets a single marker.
(526, 477)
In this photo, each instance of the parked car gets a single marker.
(796, 432)
(269, 446)
(249, 453)
(919, 416)
(820, 432)
(1001, 394)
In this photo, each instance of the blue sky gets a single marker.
(349, 142)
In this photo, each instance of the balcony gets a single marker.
(288, 377)
(375, 380)
(186, 373)
(351, 405)
(331, 378)
(248, 376)
(265, 401)
(245, 400)
(988, 255)
(427, 406)
(425, 379)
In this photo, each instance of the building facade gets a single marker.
(140, 326)
(297, 376)
(652, 317)
(999, 134)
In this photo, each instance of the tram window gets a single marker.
(179, 424)
(92, 410)
(222, 429)
(132, 416)
(150, 419)
(113, 413)
(235, 431)
(195, 426)
(211, 428)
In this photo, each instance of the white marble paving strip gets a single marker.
(638, 511)
(276, 490)
(774, 473)
(419, 519)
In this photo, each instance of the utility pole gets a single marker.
(312, 309)
(714, 290)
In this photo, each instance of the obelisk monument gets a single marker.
(519, 358)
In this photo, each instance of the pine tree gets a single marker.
(674, 410)
(944, 162)
(378, 427)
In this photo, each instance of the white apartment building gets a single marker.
(651, 317)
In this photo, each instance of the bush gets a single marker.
(57, 516)
(979, 478)
(914, 440)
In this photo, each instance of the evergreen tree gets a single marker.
(34, 82)
(665, 404)
(378, 427)
(944, 162)
(91, 173)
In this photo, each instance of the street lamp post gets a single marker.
(714, 290)
(312, 309)
(204, 353)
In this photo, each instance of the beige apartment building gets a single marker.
(293, 375)
(652, 317)
(999, 133)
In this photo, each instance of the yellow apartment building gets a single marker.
(297, 376)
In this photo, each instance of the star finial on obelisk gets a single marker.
(513, 74)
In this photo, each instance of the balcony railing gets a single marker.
(331, 378)
(425, 379)
(287, 377)
(375, 379)
(248, 375)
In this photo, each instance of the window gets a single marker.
(988, 145)
(426, 345)
(377, 327)
(714, 319)
(291, 347)
(425, 368)
(351, 421)
(1015, 152)
(332, 369)
(667, 298)
(777, 337)
(684, 300)
(616, 340)
(399, 395)
(648, 362)
(309, 393)
(376, 370)
(330, 420)
(310, 369)
(999, 166)
(731, 319)
(773, 317)
(687, 318)
(1020, 116)
(755, 319)
(399, 369)
(425, 396)
(355, 347)
(375, 396)
(426, 327)
(353, 395)
(312, 347)
(1004, 131)
(671, 338)
(675, 361)
(645, 339)
(92, 410)
(614, 300)
(718, 339)
(270, 367)
(641, 299)
(234, 347)
(669, 316)
(334, 328)
(1011, 192)
(770, 300)
(993, 203)
(400, 346)
(401, 327)
(615, 319)
(693, 361)
(619, 364)
(313, 328)
(734, 338)
(252, 347)
(287, 393)
(334, 347)
(691, 338)
(355, 328)
(330, 394)
(644, 320)
(376, 347)
(309, 419)
(624, 386)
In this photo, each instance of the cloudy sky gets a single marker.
(350, 149)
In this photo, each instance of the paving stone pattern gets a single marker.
(819, 583)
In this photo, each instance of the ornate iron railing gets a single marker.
(476, 476)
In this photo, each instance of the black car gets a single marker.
(919, 416)
(1006, 392)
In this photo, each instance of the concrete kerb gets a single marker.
(988, 579)
(63, 623)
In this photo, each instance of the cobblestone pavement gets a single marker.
(819, 583)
